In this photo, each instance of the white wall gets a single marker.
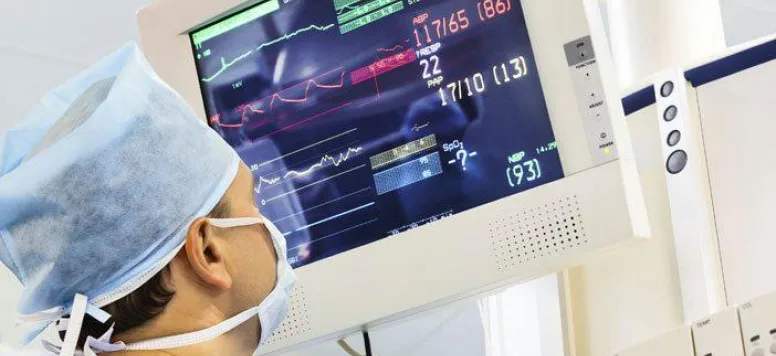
(647, 36)
(44, 42)
(746, 20)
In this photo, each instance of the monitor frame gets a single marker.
(396, 277)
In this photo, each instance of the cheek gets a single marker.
(257, 266)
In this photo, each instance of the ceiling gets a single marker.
(45, 42)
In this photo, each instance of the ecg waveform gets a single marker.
(249, 109)
(226, 65)
(216, 119)
(325, 161)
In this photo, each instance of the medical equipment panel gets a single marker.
(758, 326)
(718, 335)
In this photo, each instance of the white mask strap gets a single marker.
(236, 222)
(74, 325)
(197, 337)
(102, 344)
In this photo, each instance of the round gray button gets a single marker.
(758, 352)
(670, 113)
(773, 349)
(667, 89)
(676, 162)
(674, 137)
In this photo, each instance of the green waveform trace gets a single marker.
(340, 4)
(363, 10)
(371, 17)
(226, 65)
(345, 8)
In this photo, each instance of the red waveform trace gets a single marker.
(216, 120)
(254, 107)
(310, 84)
(382, 66)
(392, 49)
(247, 109)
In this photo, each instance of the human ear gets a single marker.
(206, 255)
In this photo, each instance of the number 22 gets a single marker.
(433, 64)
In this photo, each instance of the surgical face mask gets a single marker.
(271, 312)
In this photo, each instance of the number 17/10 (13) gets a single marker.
(502, 73)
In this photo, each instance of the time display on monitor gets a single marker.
(362, 119)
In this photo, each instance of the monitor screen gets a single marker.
(362, 119)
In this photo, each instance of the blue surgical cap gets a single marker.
(100, 183)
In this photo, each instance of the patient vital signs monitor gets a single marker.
(412, 152)
(357, 132)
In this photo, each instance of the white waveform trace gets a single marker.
(326, 161)
(264, 181)
(419, 127)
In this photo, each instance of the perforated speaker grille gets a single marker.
(536, 233)
(297, 321)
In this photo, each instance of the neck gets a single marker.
(223, 345)
(180, 319)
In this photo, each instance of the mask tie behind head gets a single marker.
(74, 323)
(236, 222)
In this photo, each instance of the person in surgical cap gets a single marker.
(132, 225)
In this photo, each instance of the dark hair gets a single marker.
(142, 305)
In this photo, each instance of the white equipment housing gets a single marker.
(479, 250)
(719, 334)
(674, 343)
(723, 202)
